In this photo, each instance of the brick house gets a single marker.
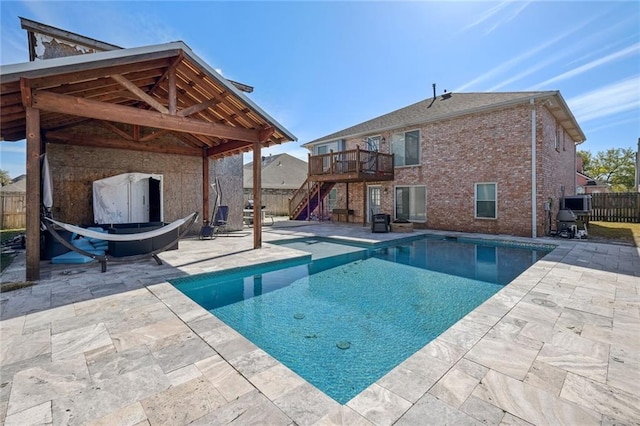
(495, 163)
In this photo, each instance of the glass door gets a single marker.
(373, 200)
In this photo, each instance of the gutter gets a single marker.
(534, 209)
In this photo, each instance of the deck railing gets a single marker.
(352, 162)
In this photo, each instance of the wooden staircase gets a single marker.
(307, 199)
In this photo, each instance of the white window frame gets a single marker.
(401, 137)
(335, 146)
(332, 199)
(476, 200)
(372, 143)
(395, 203)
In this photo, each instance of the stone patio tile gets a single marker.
(183, 404)
(236, 347)
(455, 387)
(409, 384)
(183, 375)
(17, 347)
(42, 383)
(343, 415)
(511, 420)
(570, 352)
(186, 309)
(504, 356)
(254, 362)
(137, 317)
(588, 306)
(431, 411)
(532, 404)
(444, 350)
(107, 364)
(276, 381)
(546, 377)
(219, 335)
(624, 370)
(224, 377)
(306, 404)
(426, 364)
(116, 302)
(612, 402)
(43, 319)
(483, 411)
(108, 395)
(37, 415)
(379, 405)
(252, 408)
(179, 354)
(573, 320)
(149, 334)
(127, 416)
(72, 342)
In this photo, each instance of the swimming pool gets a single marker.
(353, 313)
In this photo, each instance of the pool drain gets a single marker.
(298, 316)
(343, 345)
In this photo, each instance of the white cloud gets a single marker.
(629, 51)
(606, 101)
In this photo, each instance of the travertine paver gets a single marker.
(559, 345)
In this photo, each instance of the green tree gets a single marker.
(4, 178)
(615, 166)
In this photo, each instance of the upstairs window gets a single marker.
(406, 148)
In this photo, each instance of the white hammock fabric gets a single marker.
(123, 237)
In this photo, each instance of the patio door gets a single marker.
(373, 200)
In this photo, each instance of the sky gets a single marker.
(318, 67)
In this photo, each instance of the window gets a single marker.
(325, 148)
(406, 148)
(486, 200)
(372, 143)
(411, 203)
(332, 199)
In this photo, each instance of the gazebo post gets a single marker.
(257, 190)
(34, 149)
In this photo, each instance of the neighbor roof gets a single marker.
(281, 171)
(201, 90)
(451, 105)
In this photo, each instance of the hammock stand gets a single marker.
(189, 221)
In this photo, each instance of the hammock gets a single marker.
(190, 220)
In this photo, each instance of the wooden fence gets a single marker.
(615, 207)
(13, 210)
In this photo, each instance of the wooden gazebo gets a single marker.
(139, 95)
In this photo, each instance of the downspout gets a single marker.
(534, 211)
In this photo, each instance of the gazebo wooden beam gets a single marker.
(68, 138)
(81, 107)
(140, 94)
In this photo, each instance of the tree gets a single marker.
(615, 166)
(4, 178)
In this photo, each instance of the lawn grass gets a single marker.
(615, 232)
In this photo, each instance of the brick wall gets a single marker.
(493, 146)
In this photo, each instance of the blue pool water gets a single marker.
(348, 317)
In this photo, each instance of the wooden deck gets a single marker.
(354, 165)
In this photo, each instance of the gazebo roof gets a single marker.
(158, 89)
